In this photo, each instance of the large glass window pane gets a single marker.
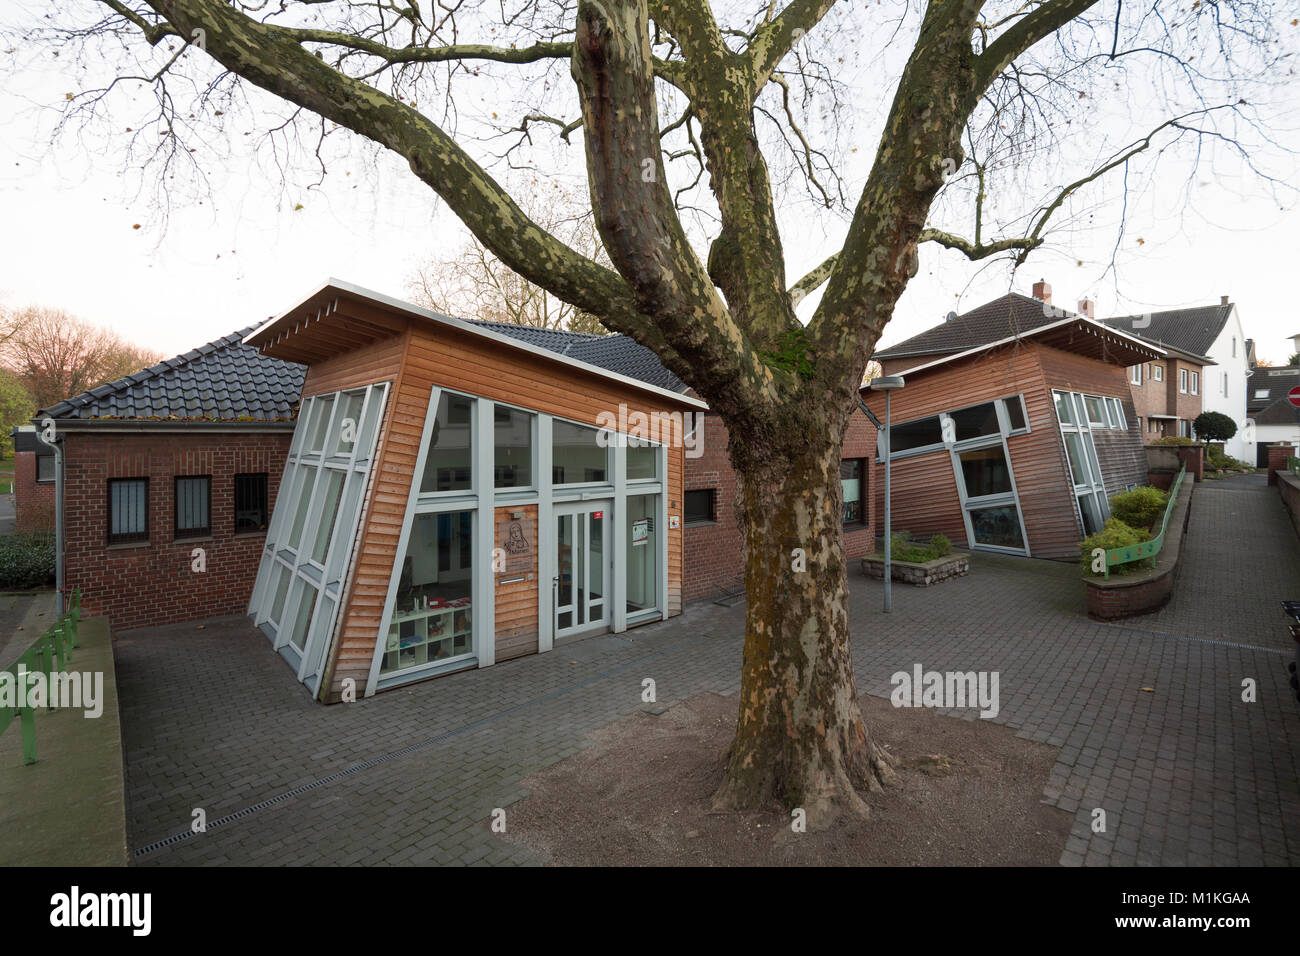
(304, 502)
(432, 611)
(975, 422)
(642, 460)
(576, 455)
(449, 465)
(301, 621)
(642, 552)
(282, 578)
(347, 424)
(999, 527)
(328, 516)
(1016, 412)
(1078, 464)
(917, 434)
(985, 472)
(1092, 519)
(596, 561)
(1096, 410)
(320, 423)
(564, 590)
(1064, 408)
(513, 455)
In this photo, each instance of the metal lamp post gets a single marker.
(887, 384)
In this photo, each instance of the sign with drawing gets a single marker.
(640, 531)
(517, 538)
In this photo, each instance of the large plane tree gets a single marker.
(985, 89)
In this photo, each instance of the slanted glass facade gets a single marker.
(312, 533)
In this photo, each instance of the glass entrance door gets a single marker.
(582, 567)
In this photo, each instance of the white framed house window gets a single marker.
(1157, 373)
(1182, 381)
(1135, 375)
(1196, 383)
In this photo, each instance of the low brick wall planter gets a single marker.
(921, 574)
(1126, 595)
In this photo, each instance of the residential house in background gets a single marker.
(1014, 426)
(1213, 332)
(1277, 421)
(1167, 395)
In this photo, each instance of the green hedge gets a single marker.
(26, 561)
(1116, 534)
(1139, 508)
(902, 549)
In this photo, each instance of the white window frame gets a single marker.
(325, 578)
(1196, 383)
(1182, 381)
(1135, 375)
(1157, 373)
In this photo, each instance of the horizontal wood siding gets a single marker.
(676, 506)
(925, 498)
(377, 362)
(516, 603)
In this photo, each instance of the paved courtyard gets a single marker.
(1147, 714)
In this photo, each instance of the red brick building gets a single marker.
(168, 478)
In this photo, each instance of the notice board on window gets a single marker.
(640, 531)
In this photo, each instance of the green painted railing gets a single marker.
(50, 654)
(1146, 549)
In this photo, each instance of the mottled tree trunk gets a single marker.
(800, 741)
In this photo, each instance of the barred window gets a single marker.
(250, 503)
(128, 510)
(193, 506)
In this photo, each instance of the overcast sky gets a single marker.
(245, 252)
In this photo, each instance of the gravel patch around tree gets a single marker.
(969, 795)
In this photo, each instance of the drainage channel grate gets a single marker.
(279, 798)
(1197, 640)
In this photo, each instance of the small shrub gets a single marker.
(1116, 534)
(1139, 508)
(901, 548)
(940, 545)
(1174, 440)
(26, 561)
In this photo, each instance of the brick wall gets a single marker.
(33, 501)
(1277, 456)
(152, 583)
(715, 552)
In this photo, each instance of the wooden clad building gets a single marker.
(456, 497)
(1014, 426)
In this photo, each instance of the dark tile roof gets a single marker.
(619, 354)
(1274, 383)
(1188, 330)
(227, 380)
(1011, 314)
(224, 380)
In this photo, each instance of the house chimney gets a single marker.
(1087, 308)
(1043, 292)
(1223, 300)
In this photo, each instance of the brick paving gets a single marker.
(1147, 714)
